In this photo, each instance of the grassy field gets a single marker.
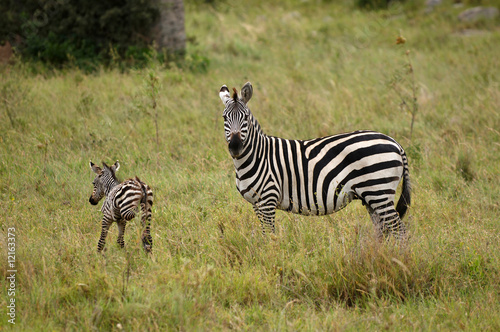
(317, 68)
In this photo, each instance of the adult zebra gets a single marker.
(318, 176)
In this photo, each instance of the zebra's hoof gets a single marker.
(147, 243)
(148, 248)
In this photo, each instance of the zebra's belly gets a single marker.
(312, 206)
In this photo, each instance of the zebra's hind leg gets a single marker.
(121, 232)
(396, 227)
(392, 224)
(147, 239)
(387, 222)
(106, 223)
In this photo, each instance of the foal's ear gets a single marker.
(224, 94)
(97, 170)
(246, 92)
(115, 167)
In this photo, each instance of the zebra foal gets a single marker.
(121, 204)
(317, 176)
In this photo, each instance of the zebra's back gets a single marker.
(124, 199)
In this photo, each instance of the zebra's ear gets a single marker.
(224, 94)
(115, 167)
(96, 169)
(246, 92)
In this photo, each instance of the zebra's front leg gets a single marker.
(121, 232)
(106, 223)
(266, 214)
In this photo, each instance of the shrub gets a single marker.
(375, 4)
(83, 32)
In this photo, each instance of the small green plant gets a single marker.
(196, 63)
(153, 83)
(404, 84)
(147, 99)
(464, 167)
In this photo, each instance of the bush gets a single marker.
(83, 32)
(375, 4)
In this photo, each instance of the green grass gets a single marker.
(317, 69)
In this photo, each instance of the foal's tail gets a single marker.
(146, 204)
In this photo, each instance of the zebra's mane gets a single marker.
(235, 94)
(111, 173)
(256, 124)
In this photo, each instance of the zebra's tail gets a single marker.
(405, 199)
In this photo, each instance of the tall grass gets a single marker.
(317, 70)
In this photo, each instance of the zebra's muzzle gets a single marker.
(235, 145)
(92, 201)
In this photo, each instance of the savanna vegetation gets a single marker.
(79, 33)
(318, 68)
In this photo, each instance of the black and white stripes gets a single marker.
(121, 204)
(318, 176)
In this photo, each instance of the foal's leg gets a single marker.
(121, 232)
(106, 223)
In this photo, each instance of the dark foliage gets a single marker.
(375, 4)
(82, 32)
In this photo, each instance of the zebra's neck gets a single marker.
(113, 182)
(251, 150)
